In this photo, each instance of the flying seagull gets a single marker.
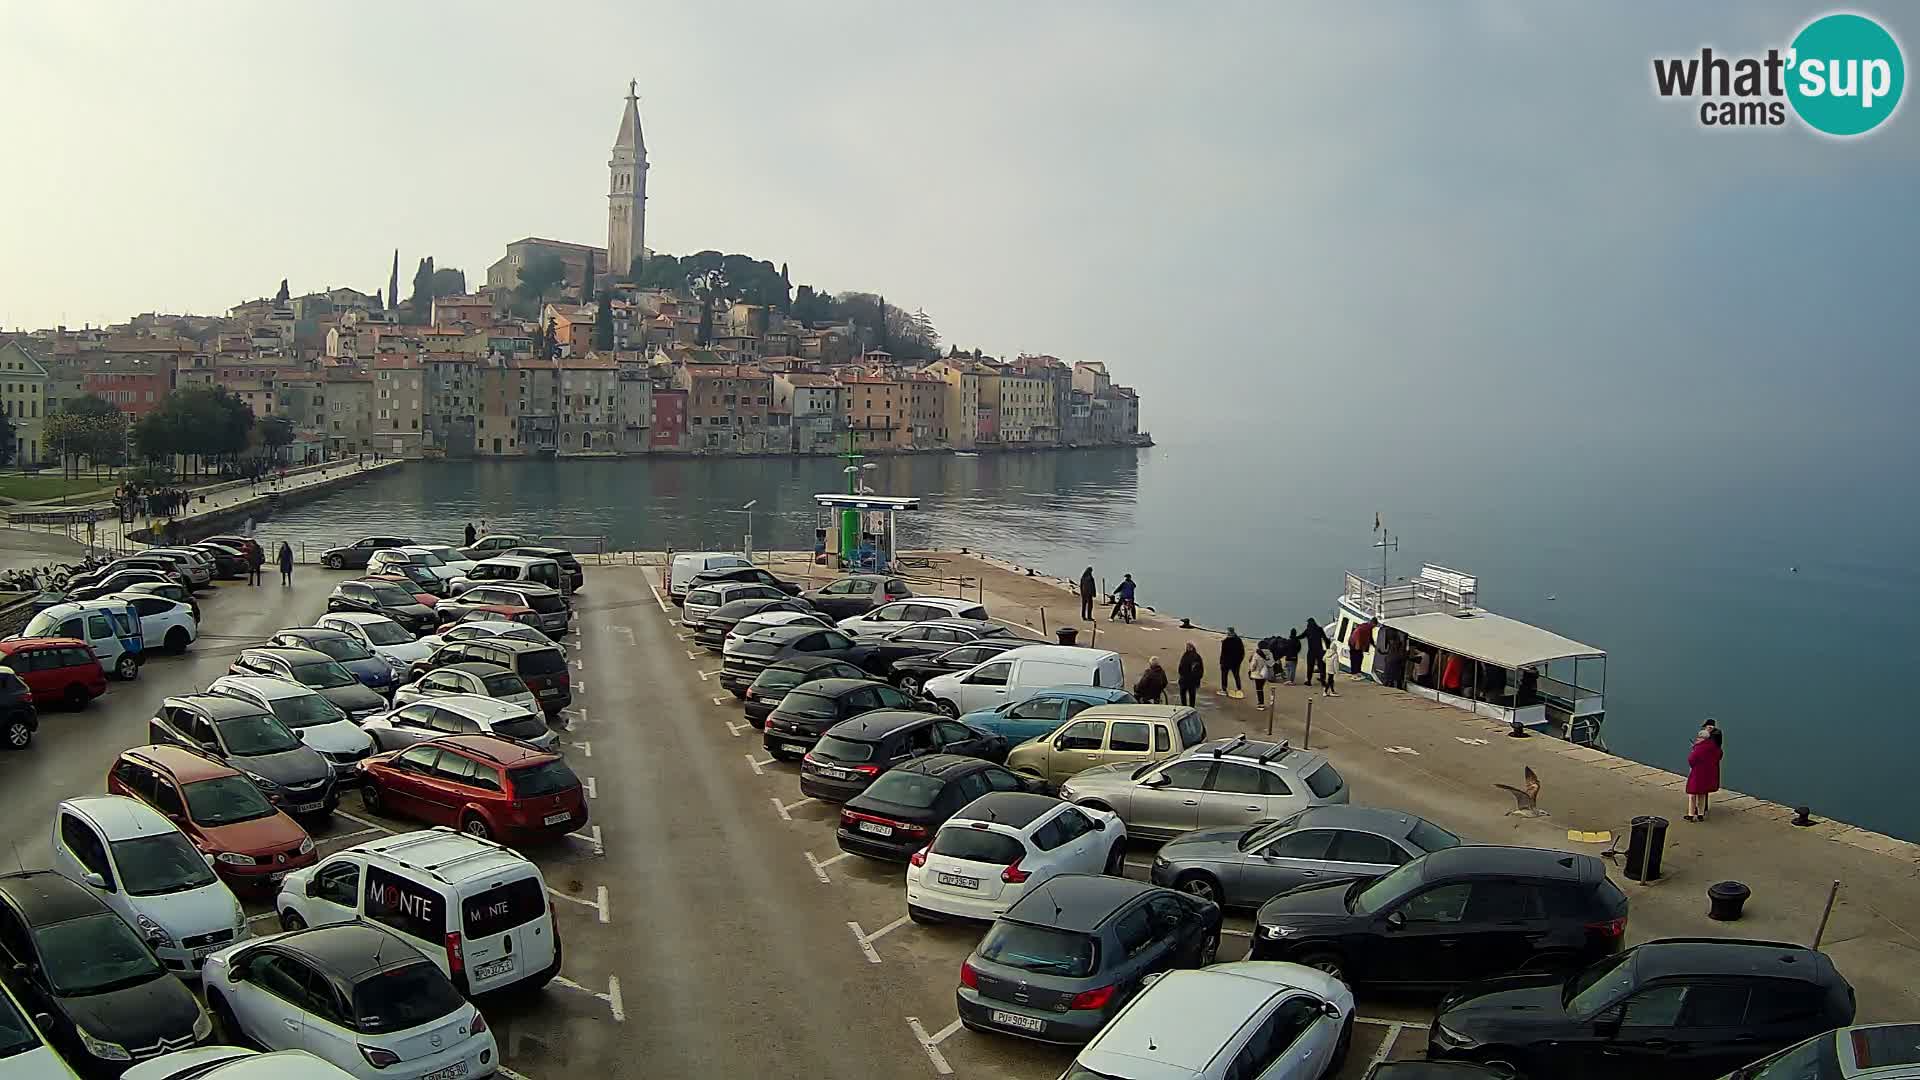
(1526, 798)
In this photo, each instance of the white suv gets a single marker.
(388, 639)
(1004, 845)
(906, 612)
(164, 623)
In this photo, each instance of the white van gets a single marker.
(111, 628)
(686, 564)
(1018, 674)
(477, 909)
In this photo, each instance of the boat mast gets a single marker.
(1385, 543)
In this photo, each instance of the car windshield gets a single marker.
(391, 595)
(1260, 835)
(1040, 949)
(305, 711)
(1386, 890)
(425, 558)
(1600, 985)
(808, 704)
(322, 675)
(248, 736)
(340, 648)
(16, 1036)
(164, 863)
(1816, 1058)
(226, 800)
(537, 662)
(917, 790)
(402, 998)
(93, 954)
(546, 778)
(1430, 837)
(839, 749)
(386, 632)
(503, 684)
(445, 555)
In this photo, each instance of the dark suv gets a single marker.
(899, 813)
(853, 752)
(542, 667)
(569, 562)
(778, 679)
(712, 632)
(1666, 1010)
(1452, 916)
(354, 556)
(806, 712)
(293, 776)
(746, 657)
(384, 598)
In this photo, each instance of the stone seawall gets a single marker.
(219, 518)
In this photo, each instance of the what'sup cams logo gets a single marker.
(1842, 75)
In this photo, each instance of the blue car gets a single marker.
(372, 669)
(1030, 718)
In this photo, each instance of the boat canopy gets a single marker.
(1492, 639)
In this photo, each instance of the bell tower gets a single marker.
(627, 190)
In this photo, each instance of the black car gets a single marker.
(856, 594)
(120, 580)
(749, 655)
(853, 752)
(1437, 1070)
(293, 776)
(101, 996)
(807, 711)
(899, 813)
(712, 632)
(228, 562)
(912, 672)
(1675, 1009)
(355, 555)
(316, 671)
(1448, 917)
(569, 563)
(166, 568)
(1069, 956)
(745, 575)
(933, 637)
(18, 718)
(778, 679)
(384, 598)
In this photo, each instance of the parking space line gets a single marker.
(612, 997)
(574, 663)
(598, 903)
(1232, 932)
(591, 836)
(568, 712)
(584, 747)
(510, 1074)
(820, 865)
(579, 686)
(734, 729)
(351, 835)
(1381, 1022)
(587, 784)
(374, 825)
(705, 675)
(757, 763)
(658, 599)
(691, 655)
(931, 1043)
(866, 945)
(785, 810)
(263, 916)
(719, 701)
(1386, 1045)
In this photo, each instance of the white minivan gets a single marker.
(111, 628)
(1018, 674)
(477, 909)
(686, 564)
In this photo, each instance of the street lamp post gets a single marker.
(747, 547)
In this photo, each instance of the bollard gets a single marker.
(1725, 899)
(1306, 741)
(1043, 622)
(1067, 634)
(1833, 892)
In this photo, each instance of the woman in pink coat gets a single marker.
(1703, 771)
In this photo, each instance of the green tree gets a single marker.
(603, 324)
(276, 434)
(91, 405)
(422, 299)
(550, 333)
(448, 281)
(539, 276)
(6, 439)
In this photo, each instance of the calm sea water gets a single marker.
(1772, 593)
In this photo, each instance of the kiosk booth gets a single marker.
(856, 532)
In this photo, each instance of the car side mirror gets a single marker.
(23, 970)
(1396, 920)
(95, 879)
(1060, 744)
(1157, 781)
(313, 887)
(44, 1020)
(1328, 1008)
(1099, 824)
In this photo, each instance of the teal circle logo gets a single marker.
(1846, 74)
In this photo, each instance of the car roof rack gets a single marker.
(1230, 746)
(1276, 752)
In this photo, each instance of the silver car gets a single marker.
(459, 714)
(1246, 867)
(1217, 784)
(472, 678)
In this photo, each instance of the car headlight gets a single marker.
(202, 1027)
(101, 1048)
(1453, 1038)
(306, 844)
(1270, 932)
(263, 783)
(234, 858)
(155, 934)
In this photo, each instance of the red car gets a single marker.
(56, 670)
(253, 845)
(484, 785)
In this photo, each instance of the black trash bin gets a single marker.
(1068, 634)
(1644, 846)
(1726, 899)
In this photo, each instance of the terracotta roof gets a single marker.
(809, 378)
(726, 371)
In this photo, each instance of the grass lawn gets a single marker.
(22, 487)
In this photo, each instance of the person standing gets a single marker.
(1193, 671)
(1086, 592)
(253, 571)
(1261, 672)
(286, 563)
(1290, 654)
(470, 534)
(1316, 640)
(1326, 681)
(1233, 653)
(1358, 643)
(1152, 687)
(1703, 770)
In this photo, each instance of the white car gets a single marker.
(307, 713)
(472, 678)
(771, 618)
(234, 1063)
(25, 1053)
(911, 610)
(385, 561)
(452, 557)
(1256, 1018)
(382, 1011)
(388, 639)
(1004, 845)
(164, 623)
(459, 714)
(144, 868)
(486, 628)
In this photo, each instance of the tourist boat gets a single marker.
(1474, 660)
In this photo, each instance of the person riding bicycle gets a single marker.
(1123, 605)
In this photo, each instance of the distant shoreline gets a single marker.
(1145, 442)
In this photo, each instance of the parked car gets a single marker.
(1002, 846)
(252, 844)
(878, 652)
(421, 595)
(779, 678)
(166, 590)
(767, 620)
(1067, 958)
(898, 813)
(1044, 712)
(354, 556)
(806, 712)
(890, 617)
(1460, 914)
(356, 996)
(1229, 1022)
(685, 564)
(551, 614)
(392, 564)
(451, 557)
(309, 715)
(486, 547)
(384, 599)
(575, 576)
(108, 627)
(1422, 1069)
(244, 544)
(854, 752)
(369, 668)
(517, 570)
(197, 568)
(314, 670)
(1865, 1052)
(18, 718)
(167, 568)
(856, 594)
(122, 581)
(478, 910)
(470, 677)
(101, 995)
(746, 657)
(388, 639)
(236, 1063)
(145, 869)
(291, 774)
(1020, 673)
(229, 562)
(707, 599)
(748, 575)
(164, 623)
(484, 785)
(1675, 1009)
(56, 670)
(713, 630)
(911, 673)
(25, 1053)
(481, 629)
(421, 557)
(1245, 866)
(460, 714)
(1125, 735)
(1223, 783)
(542, 667)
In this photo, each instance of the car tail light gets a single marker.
(1092, 999)
(969, 978)
(1612, 928)
(378, 1057)
(1013, 875)
(479, 1024)
(866, 770)
(919, 858)
(456, 960)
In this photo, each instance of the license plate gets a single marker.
(549, 693)
(877, 830)
(307, 807)
(957, 881)
(203, 952)
(555, 819)
(452, 1072)
(798, 745)
(494, 967)
(1015, 1020)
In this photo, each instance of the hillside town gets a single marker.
(572, 350)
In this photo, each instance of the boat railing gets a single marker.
(1434, 589)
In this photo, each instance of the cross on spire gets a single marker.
(633, 86)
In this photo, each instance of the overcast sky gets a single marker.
(1445, 208)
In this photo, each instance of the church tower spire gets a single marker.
(627, 191)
